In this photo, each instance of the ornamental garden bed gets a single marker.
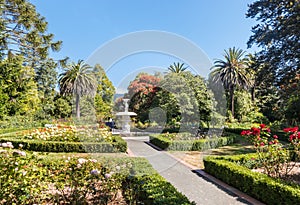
(271, 174)
(67, 139)
(27, 178)
(187, 142)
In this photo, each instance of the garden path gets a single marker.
(195, 184)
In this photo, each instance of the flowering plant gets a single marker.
(294, 138)
(68, 134)
(272, 156)
(21, 176)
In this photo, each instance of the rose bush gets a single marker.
(273, 157)
(21, 176)
(294, 138)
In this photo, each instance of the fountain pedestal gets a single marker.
(125, 118)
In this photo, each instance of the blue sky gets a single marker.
(84, 26)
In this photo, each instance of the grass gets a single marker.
(195, 158)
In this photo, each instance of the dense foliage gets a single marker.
(277, 34)
(177, 99)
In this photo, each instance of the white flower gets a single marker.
(78, 166)
(82, 161)
(20, 145)
(118, 168)
(93, 160)
(107, 176)
(7, 145)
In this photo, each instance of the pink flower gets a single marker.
(262, 144)
(275, 136)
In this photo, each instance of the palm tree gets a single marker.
(232, 72)
(78, 79)
(177, 68)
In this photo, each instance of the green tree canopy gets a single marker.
(278, 34)
(78, 79)
(177, 68)
(104, 95)
(24, 31)
(232, 72)
(18, 90)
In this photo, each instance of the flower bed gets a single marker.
(68, 139)
(28, 179)
(185, 142)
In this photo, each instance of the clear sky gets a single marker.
(84, 26)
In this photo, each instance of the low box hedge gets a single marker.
(118, 145)
(153, 190)
(257, 185)
(190, 145)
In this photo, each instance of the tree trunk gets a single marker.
(77, 106)
(253, 93)
(232, 100)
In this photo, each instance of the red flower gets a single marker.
(268, 130)
(291, 129)
(262, 126)
(256, 131)
(275, 136)
(292, 137)
(298, 135)
(262, 144)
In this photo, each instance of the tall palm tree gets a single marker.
(78, 79)
(177, 68)
(232, 72)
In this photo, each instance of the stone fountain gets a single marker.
(124, 118)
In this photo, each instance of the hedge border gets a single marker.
(257, 185)
(118, 145)
(155, 190)
(190, 145)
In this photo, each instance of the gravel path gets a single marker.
(195, 184)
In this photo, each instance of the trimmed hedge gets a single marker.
(258, 185)
(190, 145)
(118, 145)
(153, 190)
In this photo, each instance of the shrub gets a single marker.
(117, 145)
(21, 177)
(152, 190)
(260, 186)
(166, 143)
